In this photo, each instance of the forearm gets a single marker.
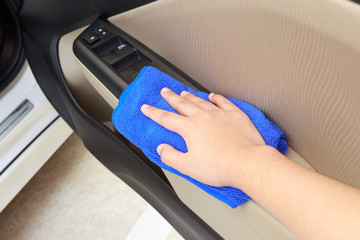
(311, 205)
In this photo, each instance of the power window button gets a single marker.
(90, 37)
(142, 62)
(111, 58)
(124, 49)
(102, 32)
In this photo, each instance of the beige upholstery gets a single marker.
(298, 61)
(249, 221)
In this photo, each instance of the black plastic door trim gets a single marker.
(44, 22)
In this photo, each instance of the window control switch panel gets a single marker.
(116, 59)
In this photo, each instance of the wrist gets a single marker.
(249, 170)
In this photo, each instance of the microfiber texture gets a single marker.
(148, 135)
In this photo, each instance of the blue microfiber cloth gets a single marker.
(147, 135)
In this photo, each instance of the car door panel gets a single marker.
(245, 221)
(288, 58)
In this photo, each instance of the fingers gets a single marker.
(171, 157)
(181, 105)
(222, 102)
(172, 121)
(188, 104)
(198, 101)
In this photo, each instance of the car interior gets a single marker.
(297, 61)
(30, 128)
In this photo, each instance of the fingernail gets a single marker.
(159, 149)
(211, 95)
(183, 93)
(164, 90)
(144, 106)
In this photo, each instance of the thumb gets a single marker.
(170, 156)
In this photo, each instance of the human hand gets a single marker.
(220, 138)
(225, 149)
